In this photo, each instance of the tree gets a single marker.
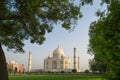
(97, 66)
(10, 70)
(105, 38)
(30, 20)
(87, 71)
(74, 70)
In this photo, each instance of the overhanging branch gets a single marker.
(11, 17)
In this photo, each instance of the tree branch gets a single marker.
(11, 17)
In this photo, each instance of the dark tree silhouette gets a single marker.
(30, 20)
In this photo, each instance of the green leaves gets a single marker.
(83, 2)
(105, 39)
(31, 19)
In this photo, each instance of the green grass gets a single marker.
(55, 77)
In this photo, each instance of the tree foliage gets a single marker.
(98, 66)
(10, 70)
(22, 20)
(30, 20)
(86, 71)
(105, 38)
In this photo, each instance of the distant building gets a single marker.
(58, 62)
(37, 71)
(15, 67)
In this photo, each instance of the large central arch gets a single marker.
(54, 65)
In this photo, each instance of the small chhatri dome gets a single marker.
(58, 52)
(12, 62)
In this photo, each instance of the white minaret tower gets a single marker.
(78, 64)
(74, 57)
(30, 62)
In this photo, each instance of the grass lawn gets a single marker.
(55, 77)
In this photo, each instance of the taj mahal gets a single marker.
(58, 62)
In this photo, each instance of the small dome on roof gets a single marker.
(12, 62)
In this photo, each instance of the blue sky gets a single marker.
(66, 40)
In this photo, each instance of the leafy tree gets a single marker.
(97, 66)
(74, 70)
(105, 38)
(30, 20)
(10, 70)
(86, 71)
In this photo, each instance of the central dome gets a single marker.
(58, 52)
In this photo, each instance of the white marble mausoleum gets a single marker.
(57, 62)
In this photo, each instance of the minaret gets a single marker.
(30, 62)
(78, 64)
(74, 57)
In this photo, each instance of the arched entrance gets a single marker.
(54, 65)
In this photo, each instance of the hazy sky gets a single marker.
(66, 40)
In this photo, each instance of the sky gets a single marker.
(66, 40)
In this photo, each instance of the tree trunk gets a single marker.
(3, 65)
